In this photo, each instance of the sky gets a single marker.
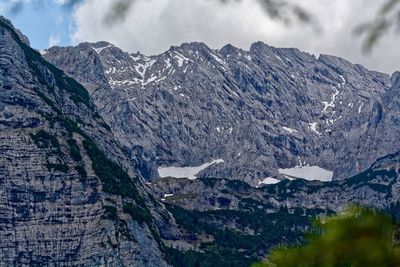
(152, 26)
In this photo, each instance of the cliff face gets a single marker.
(258, 110)
(378, 187)
(62, 200)
(71, 187)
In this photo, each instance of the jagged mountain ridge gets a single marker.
(258, 110)
(63, 201)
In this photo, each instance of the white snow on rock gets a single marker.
(180, 59)
(343, 80)
(360, 107)
(269, 180)
(308, 172)
(168, 63)
(219, 60)
(332, 102)
(166, 195)
(98, 50)
(289, 130)
(185, 172)
(313, 127)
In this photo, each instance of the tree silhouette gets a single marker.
(358, 237)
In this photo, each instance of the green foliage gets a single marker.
(137, 213)
(235, 246)
(111, 212)
(82, 172)
(114, 179)
(214, 257)
(209, 182)
(44, 139)
(57, 167)
(35, 61)
(74, 150)
(238, 185)
(358, 237)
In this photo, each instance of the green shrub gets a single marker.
(74, 150)
(82, 172)
(114, 179)
(111, 212)
(57, 167)
(43, 139)
(358, 237)
(137, 213)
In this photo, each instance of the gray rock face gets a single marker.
(377, 187)
(56, 204)
(258, 110)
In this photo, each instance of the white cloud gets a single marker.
(151, 26)
(54, 40)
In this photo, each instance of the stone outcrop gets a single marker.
(258, 110)
(68, 193)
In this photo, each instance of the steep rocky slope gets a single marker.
(71, 188)
(232, 220)
(62, 200)
(258, 110)
(376, 187)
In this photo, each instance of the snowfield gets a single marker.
(307, 172)
(185, 172)
(269, 180)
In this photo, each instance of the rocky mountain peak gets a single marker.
(261, 110)
(22, 37)
(70, 194)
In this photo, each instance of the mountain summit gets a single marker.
(69, 195)
(261, 113)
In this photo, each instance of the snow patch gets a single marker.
(219, 60)
(280, 59)
(343, 79)
(360, 107)
(98, 50)
(185, 172)
(180, 59)
(168, 63)
(289, 130)
(313, 127)
(269, 180)
(332, 102)
(308, 172)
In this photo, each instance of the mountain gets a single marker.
(235, 223)
(253, 113)
(69, 195)
(80, 190)
(377, 187)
